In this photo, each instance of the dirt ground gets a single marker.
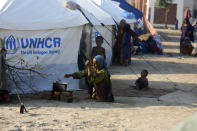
(168, 71)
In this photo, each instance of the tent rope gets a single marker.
(133, 71)
(94, 27)
(174, 84)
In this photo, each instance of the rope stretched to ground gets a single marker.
(133, 71)
(136, 74)
(74, 6)
(174, 84)
(138, 77)
(22, 106)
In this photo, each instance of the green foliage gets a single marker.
(22, 61)
(22, 73)
(167, 4)
(164, 3)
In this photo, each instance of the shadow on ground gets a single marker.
(155, 67)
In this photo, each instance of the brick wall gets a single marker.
(159, 15)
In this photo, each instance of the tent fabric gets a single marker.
(37, 15)
(127, 7)
(115, 11)
(149, 27)
(53, 52)
(100, 16)
(31, 15)
(50, 32)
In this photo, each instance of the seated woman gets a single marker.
(186, 47)
(98, 80)
(186, 37)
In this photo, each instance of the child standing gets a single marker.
(142, 82)
(98, 50)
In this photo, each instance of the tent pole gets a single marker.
(74, 6)
(22, 107)
(93, 26)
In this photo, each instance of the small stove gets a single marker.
(60, 91)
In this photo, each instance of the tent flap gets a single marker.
(55, 52)
(127, 7)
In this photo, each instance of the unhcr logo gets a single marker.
(13, 43)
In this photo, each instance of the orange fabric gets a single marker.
(149, 28)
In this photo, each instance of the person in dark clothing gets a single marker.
(117, 49)
(187, 30)
(142, 82)
(136, 40)
(186, 47)
(195, 30)
(152, 45)
(127, 45)
(187, 33)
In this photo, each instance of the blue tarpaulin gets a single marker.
(129, 8)
(128, 15)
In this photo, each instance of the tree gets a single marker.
(167, 4)
(22, 74)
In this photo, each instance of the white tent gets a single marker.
(93, 11)
(28, 15)
(44, 33)
(37, 15)
(98, 16)
(116, 13)
(113, 9)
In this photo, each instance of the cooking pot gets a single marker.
(59, 87)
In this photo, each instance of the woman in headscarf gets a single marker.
(187, 34)
(117, 51)
(127, 44)
(98, 80)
